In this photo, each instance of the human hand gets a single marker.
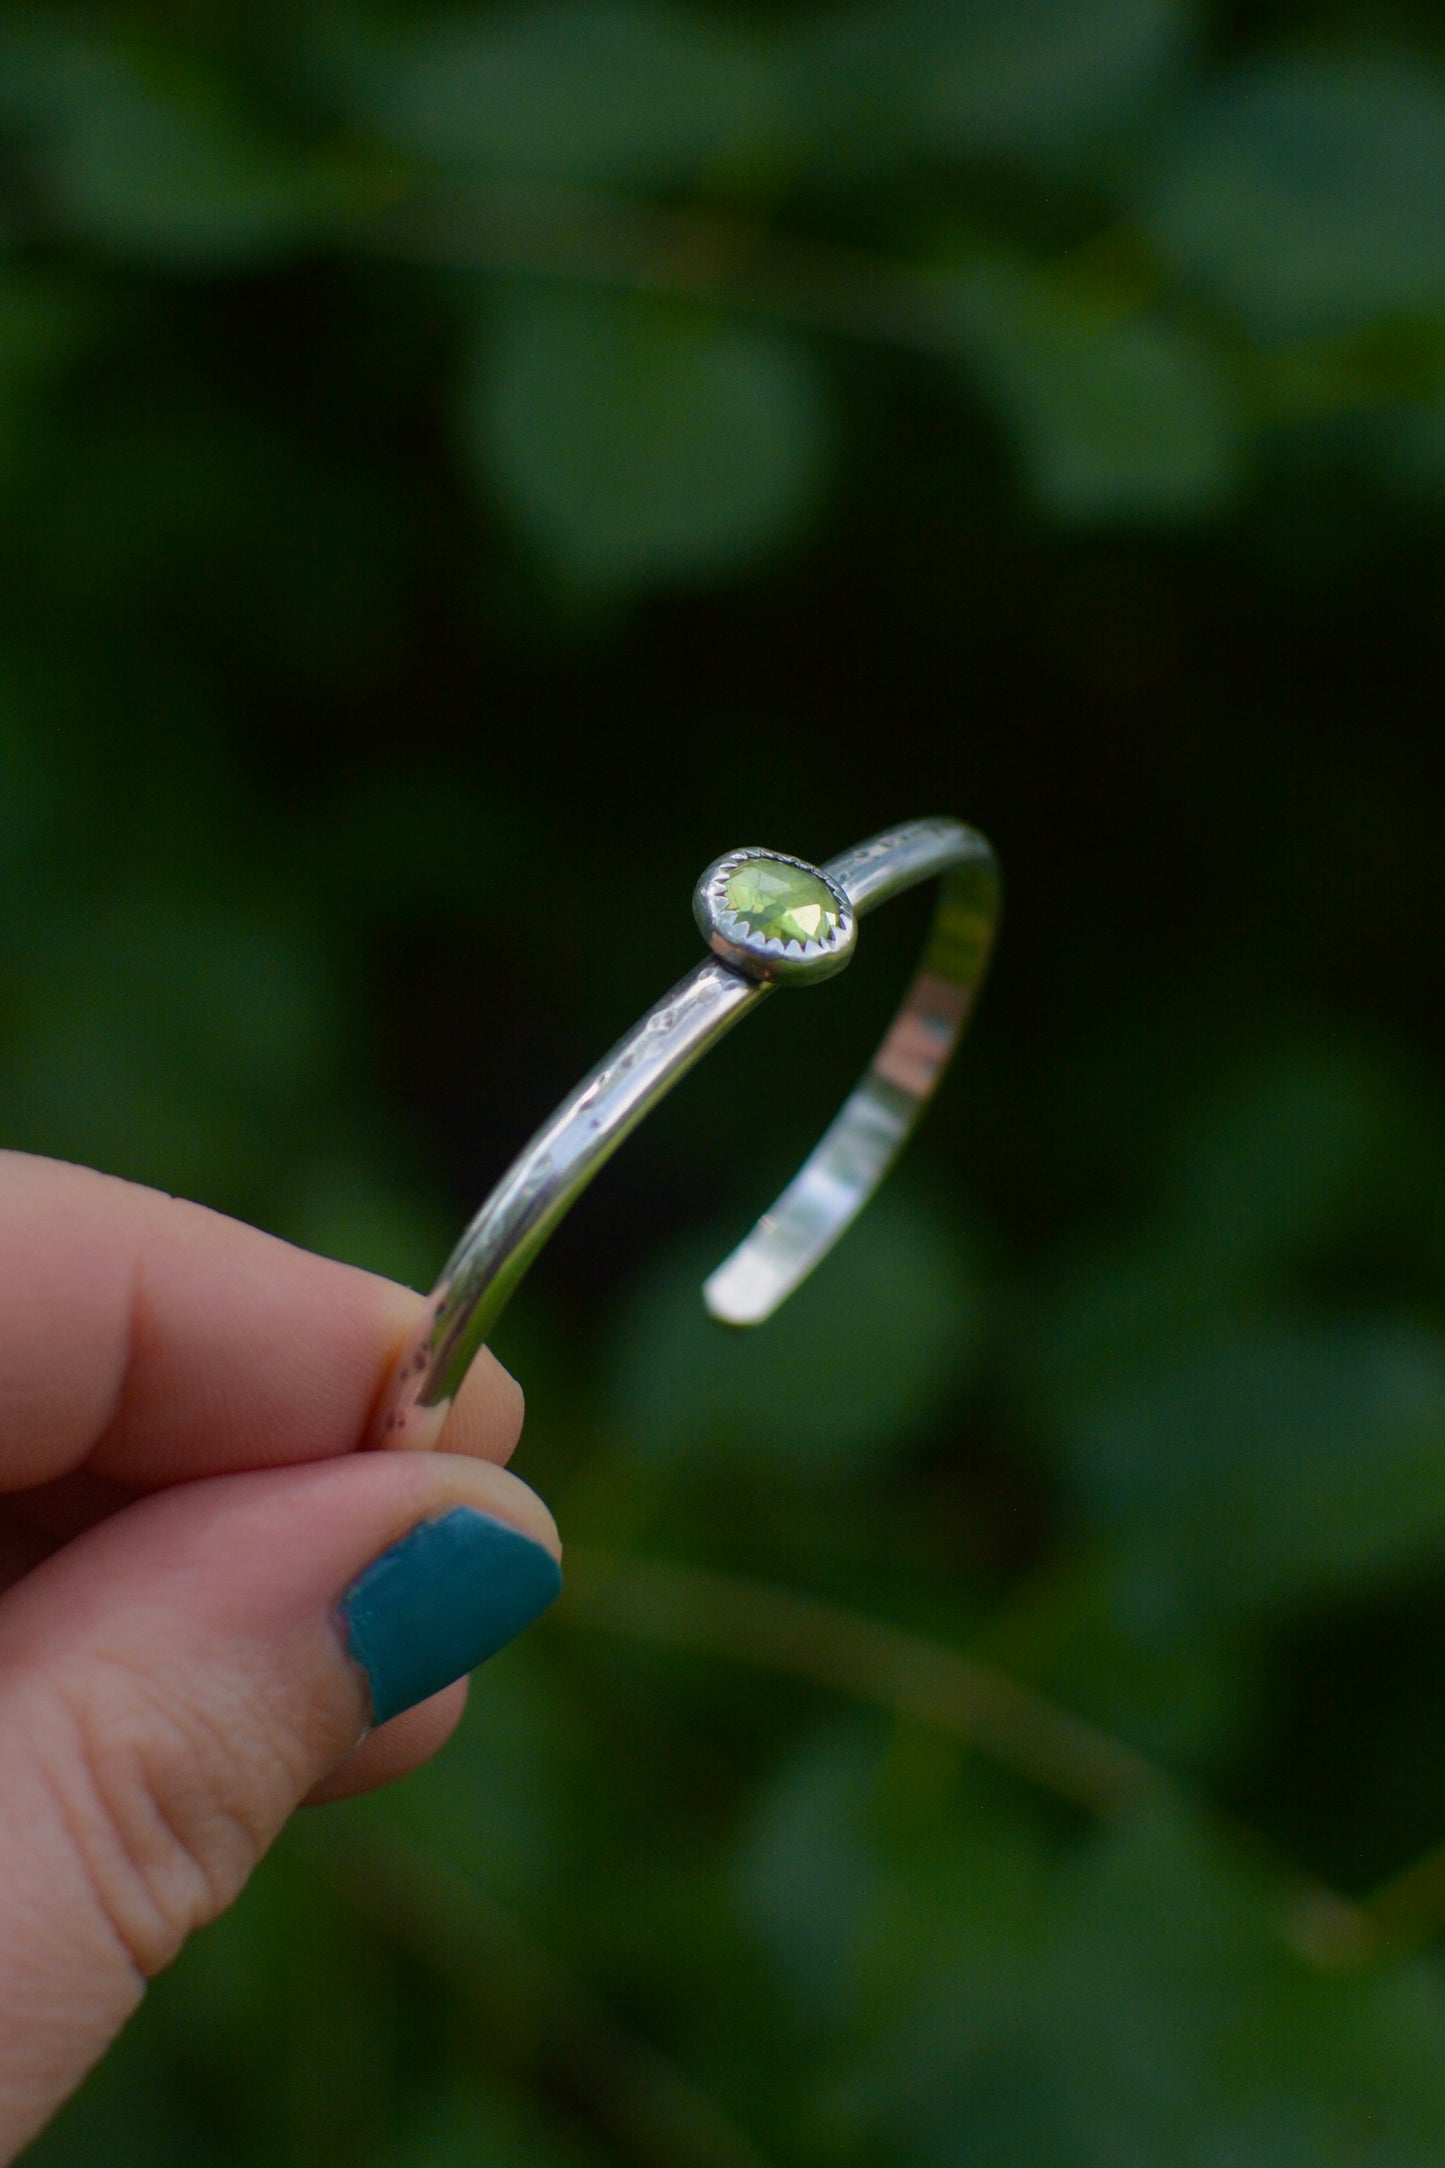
(206, 1594)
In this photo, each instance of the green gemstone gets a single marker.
(782, 903)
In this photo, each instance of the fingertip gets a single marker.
(485, 1420)
(394, 1749)
(175, 1679)
(509, 1499)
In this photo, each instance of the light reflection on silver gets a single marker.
(821, 1201)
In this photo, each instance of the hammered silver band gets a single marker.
(840, 1174)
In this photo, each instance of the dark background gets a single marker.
(461, 473)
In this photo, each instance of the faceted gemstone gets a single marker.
(782, 903)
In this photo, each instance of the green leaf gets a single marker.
(806, 1874)
(1159, 2015)
(638, 442)
(1267, 1469)
(1308, 193)
(1115, 416)
(627, 93)
(612, 91)
(935, 79)
(1296, 1150)
(1296, 1157)
(1186, 1689)
(139, 149)
(841, 1380)
(873, 1856)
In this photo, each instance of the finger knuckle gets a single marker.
(167, 1810)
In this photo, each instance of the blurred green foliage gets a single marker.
(461, 465)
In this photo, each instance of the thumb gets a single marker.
(175, 1681)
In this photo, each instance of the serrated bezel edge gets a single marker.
(732, 939)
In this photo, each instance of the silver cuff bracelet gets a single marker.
(770, 921)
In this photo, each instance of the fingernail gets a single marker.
(444, 1599)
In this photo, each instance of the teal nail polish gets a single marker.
(441, 1601)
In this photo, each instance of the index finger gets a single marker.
(152, 1340)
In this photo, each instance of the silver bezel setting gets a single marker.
(761, 956)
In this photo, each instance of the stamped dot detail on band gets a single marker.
(782, 902)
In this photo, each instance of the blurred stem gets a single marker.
(724, 259)
(1403, 1914)
(597, 240)
(694, 1607)
(538, 2015)
(779, 1630)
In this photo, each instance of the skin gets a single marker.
(182, 1501)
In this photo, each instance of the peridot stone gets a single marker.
(782, 903)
